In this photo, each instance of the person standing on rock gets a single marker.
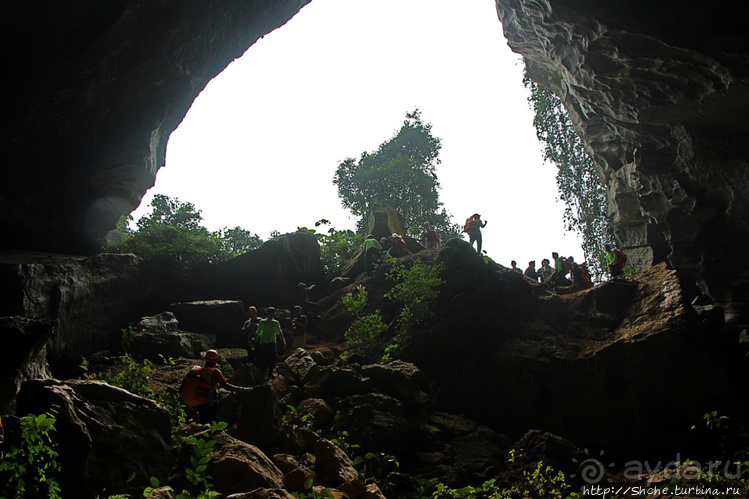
(473, 228)
(430, 238)
(531, 271)
(268, 331)
(299, 327)
(615, 260)
(249, 330)
(199, 389)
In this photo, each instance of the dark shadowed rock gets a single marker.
(259, 419)
(222, 318)
(91, 299)
(398, 379)
(235, 466)
(612, 349)
(375, 421)
(332, 466)
(320, 411)
(300, 367)
(261, 493)
(23, 356)
(97, 425)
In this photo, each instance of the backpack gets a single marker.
(469, 224)
(621, 258)
(195, 389)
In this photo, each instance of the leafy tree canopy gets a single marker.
(402, 173)
(173, 235)
(580, 187)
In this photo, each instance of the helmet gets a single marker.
(211, 356)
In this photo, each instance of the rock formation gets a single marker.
(659, 93)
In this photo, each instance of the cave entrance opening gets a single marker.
(259, 146)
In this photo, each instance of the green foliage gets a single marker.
(580, 187)
(402, 173)
(542, 482)
(362, 334)
(172, 235)
(127, 337)
(337, 247)
(29, 470)
(713, 420)
(202, 448)
(416, 286)
(135, 377)
(311, 492)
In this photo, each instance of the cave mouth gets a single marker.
(275, 124)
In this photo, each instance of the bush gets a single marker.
(362, 334)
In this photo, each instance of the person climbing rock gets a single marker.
(473, 228)
(514, 266)
(199, 389)
(371, 250)
(268, 332)
(249, 332)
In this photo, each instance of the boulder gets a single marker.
(222, 318)
(398, 379)
(321, 413)
(104, 434)
(377, 422)
(90, 299)
(259, 418)
(23, 356)
(332, 466)
(153, 346)
(235, 466)
(165, 322)
(300, 367)
(384, 220)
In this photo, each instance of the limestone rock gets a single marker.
(332, 466)
(23, 356)
(222, 318)
(91, 299)
(95, 423)
(398, 379)
(235, 466)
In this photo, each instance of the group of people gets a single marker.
(200, 386)
(578, 272)
(375, 251)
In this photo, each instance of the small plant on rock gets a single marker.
(30, 469)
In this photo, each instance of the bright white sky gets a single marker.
(260, 145)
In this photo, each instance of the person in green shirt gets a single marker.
(372, 251)
(268, 330)
(615, 259)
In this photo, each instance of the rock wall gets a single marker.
(89, 299)
(97, 89)
(658, 91)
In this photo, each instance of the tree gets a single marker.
(580, 187)
(401, 172)
(172, 234)
(337, 247)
